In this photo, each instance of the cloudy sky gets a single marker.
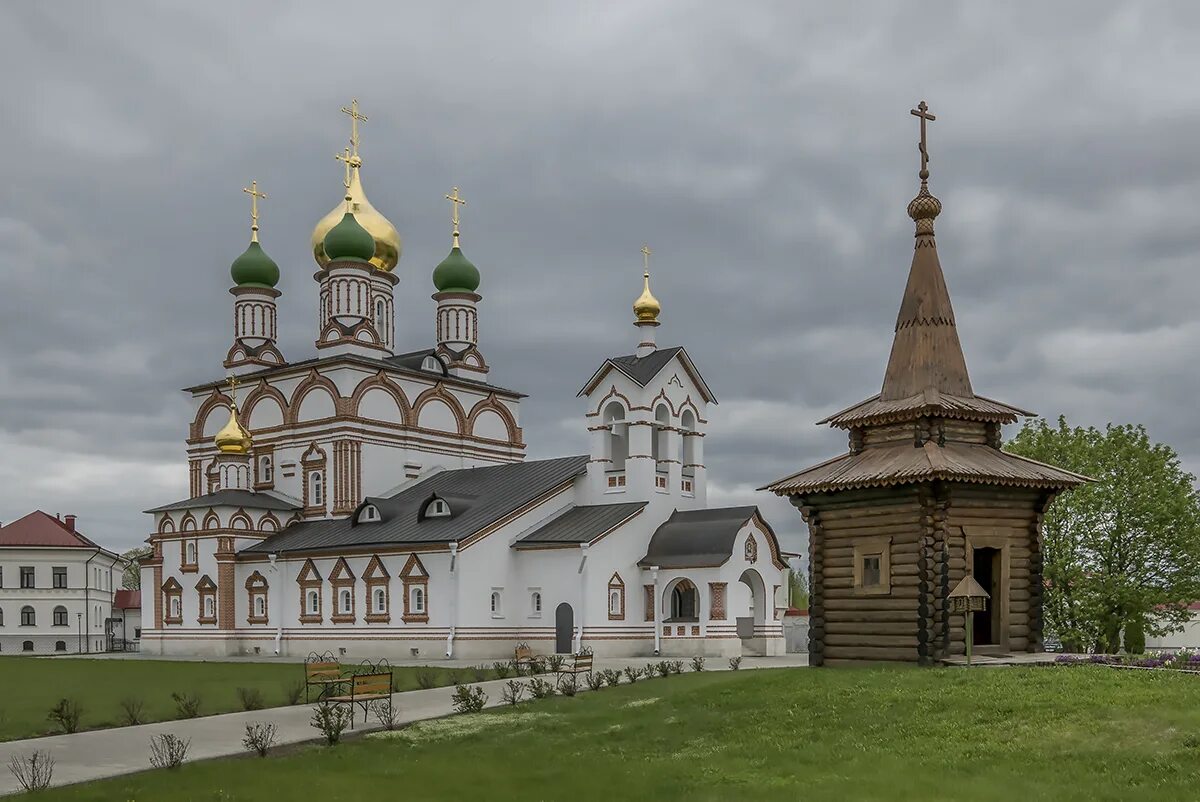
(763, 150)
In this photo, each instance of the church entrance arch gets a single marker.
(564, 628)
(755, 615)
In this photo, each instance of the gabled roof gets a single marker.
(580, 524)
(39, 529)
(882, 466)
(127, 600)
(701, 538)
(643, 369)
(479, 498)
(260, 500)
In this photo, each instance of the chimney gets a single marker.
(70, 521)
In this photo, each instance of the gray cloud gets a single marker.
(765, 153)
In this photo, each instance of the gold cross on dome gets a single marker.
(646, 257)
(355, 119)
(455, 201)
(233, 385)
(350, 161)
(922, 111)
(254, 194)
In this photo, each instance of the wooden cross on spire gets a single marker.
(455, 202)
(922, 111)
(355, 119)
(254, 194)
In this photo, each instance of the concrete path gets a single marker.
(98, 754)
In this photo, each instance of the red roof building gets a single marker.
(39, 529)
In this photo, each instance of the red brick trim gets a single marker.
(716, 595)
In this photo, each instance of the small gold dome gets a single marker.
(646, 307)
(233, 439)
(387, 239)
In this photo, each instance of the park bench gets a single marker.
(364, 689)
(323, 675)
(581, 663)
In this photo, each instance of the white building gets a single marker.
(56, 587)
(379, 503)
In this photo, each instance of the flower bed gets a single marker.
(1183, 660)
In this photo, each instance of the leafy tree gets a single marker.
(797, 591)
(1122, 552)
(132, 578)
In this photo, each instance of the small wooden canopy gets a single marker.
(968, 588)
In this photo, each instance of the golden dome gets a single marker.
(233, 439)
(387, 239)
(646, 307)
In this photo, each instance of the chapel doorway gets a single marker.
(751, 588)
(564, 628)
(985, 567)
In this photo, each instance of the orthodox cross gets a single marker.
(455, 202)
(350, 161)
(922, 111)
(233, 385)
(355, 119)
(646, 258)
(254, 194)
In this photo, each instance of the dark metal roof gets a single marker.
(642, 369)
(697, 538)
(478, 498)
(581, 524)
(266, 500)
(881, 466)
(409, 363)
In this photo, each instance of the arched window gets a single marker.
(345, 600)
(60, 645)
(418, 600)
(260, 606)
(191, 552)
(176, 611)
(210, 606)
(684, 601)
(60, 616)
(658, 446)
(380, 318)
(266, 471)
(27, 646)
(616, 598)
(1, 618)
(497, 604)
(369, 514)
(314, 602)
(380, 596)
(28, 617)
(687, 422)
(437, 508)
(618, 436)
(614, 601)
(316, 490)
(535, 603)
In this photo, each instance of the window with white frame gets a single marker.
(614, 602)
(345, 600)
(260, 607)
(316, 490)
(369, 513)
(176, 610)
(417, 600)
(313, 603)
(210, 607)
(28, 617)
(380, 597)
(266, 470)
(437, 508)
(497, 603)
(191, 552)
(60, 616)
(535, 603)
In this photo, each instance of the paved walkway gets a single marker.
(98, 754)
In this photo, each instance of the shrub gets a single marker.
(676, 666)
(427, 677)
(385, 713)
(512, 692)
(260, 737)
(33, 773)
(697, 663)
(540, 689)
(131, 711)
(595, 680)
(503, 670)
(650, 670)
(612, 677)
(167, 751)
(663, 668)
(479, 673)
(735, 663)
(469, 699)
(292, 691)
(1135, 638)
(187, 705)
(568, 684)
(555, 662)
(66, 714)
(632, 674)
(251, 698)
(331, 720)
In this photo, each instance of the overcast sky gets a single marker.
(764, 151)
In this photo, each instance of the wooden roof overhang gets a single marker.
(876, 411)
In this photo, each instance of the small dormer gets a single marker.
(368, 514)
(435, 507)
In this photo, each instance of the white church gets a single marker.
(375, 501)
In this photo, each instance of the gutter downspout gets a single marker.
(583, 554)
(279, 622)
(453, 599)
(654, 601)
(87, 599)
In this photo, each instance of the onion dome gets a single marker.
(348, 241)
(233, 439)
(254, 268)
(646, 307)
(924, 209)
(456, 273)
(387, 239)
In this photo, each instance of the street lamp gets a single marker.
(79, 619)
(968, 597)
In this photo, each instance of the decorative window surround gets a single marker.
(716, 605)
(342, 580)
(206, 591)
(616, 598)
(309, 579)
(414, 575)
(256, 590)
(172, 593)
(376, 579)
(649, 602)
(873, 566)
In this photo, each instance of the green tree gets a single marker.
(1120, 552)
(132, 578)
(797, 590)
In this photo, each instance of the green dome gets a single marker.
(254, 268)
(456, 273)
(349, 242)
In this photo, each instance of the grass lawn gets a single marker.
(29, 687)
(1088, 733)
